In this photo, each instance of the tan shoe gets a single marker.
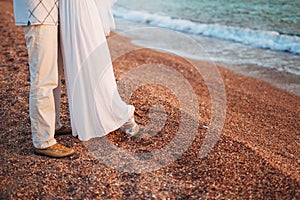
(63, 131)
(55, 151)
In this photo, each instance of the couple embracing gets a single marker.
(70, 36)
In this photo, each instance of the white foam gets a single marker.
(257, 38)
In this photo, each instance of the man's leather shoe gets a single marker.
(63, 131)
(55, 151)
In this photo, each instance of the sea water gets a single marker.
(234, 33)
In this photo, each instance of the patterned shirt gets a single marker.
(36, 12)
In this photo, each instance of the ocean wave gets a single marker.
(257, 38)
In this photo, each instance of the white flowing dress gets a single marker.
(96, 107)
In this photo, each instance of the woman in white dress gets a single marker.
(96, 108)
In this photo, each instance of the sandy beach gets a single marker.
(256, 156)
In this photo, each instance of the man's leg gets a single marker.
(42, 44)
(59, 128)
(57, 90)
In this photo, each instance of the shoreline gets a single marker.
(256, 155)
(283, 80)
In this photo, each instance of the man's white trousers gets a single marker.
(46, 67)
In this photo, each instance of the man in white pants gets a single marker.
(39, 19)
